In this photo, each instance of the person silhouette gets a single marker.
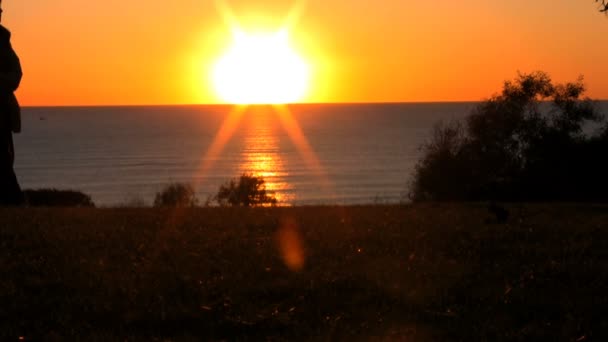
(10, 77)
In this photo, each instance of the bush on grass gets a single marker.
(57, 198)
(176, 195)
(247, 191)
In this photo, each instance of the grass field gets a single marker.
(432, 272)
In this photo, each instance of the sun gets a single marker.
(261, 68)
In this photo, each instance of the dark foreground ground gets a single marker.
(416, 273)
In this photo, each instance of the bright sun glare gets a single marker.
(261, 69)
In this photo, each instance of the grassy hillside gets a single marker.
(422, 273)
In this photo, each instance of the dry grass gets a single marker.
(430, 272)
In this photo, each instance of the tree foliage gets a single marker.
(603, 5)
(246, 191)
(176, 195)
(527, 143)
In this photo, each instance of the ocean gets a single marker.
(308, 154)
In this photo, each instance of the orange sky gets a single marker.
(159, 52)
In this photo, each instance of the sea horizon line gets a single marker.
(265, 105)
(250, 105)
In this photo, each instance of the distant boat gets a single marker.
(42, 118)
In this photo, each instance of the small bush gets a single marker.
(57, 198)
(176, 195)
(247, 191)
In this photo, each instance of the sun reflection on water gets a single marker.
(261, 155)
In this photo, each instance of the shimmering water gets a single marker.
(311, 154)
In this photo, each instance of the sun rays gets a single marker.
(288, 239)
(288, 123)
(273, 89)
(260, 66)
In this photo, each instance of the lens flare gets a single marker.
(290, 245)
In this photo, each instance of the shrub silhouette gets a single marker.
(247, 191)
(57, 198)
(176, 195)
(526, 143)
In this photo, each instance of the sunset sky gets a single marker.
(162, 52)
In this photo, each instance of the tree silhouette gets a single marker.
(247, 191)
(603, 5)
(527, 143)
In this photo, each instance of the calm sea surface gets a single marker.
(310, 154)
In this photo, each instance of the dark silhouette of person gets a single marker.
(10, 77)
